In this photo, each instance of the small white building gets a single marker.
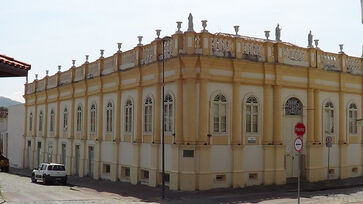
(13, 143)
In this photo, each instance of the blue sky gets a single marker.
(48, 33)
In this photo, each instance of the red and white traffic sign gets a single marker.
(298, 144)
(300, 129)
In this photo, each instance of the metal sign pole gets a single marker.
(298, 178)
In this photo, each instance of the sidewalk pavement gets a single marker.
(147, 193)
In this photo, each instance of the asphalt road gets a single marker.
(19, 189)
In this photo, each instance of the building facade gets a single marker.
(231, 103)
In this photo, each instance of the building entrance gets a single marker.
(293, 115)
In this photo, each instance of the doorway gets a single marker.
(293, 115)
(77, 160)
(90, 161)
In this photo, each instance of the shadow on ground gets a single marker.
(253, 194)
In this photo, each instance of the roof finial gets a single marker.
(316, 41)
(46, 72)
(267, 34)
(178, 25)
(119, 47)
(341, 49)
(59, 68)
(140, 40)
(204, 24)
(236, 29)
(36, 76)
(101, 53)
(73, 63)
(158, 33)
(87, 56)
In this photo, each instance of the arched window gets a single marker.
(41, 121)
(52, 121)
(79, 118)
(329, 117)
(168, 113)
(93, 118)
(251, 115)
(219, 114)
(148, 113)
(30, 121)
(352, 116)
(128, 116)
(65, 119)
(109, 117)
(293, 106)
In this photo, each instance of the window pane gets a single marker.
(254, 123)
(248, 123)
(223, 124)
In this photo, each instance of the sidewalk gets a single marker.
(147, 194)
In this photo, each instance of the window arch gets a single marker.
(219, 113)
(129, 116)
(352, 118)
(169, 113)
(30, 121)
(52, 121)
(41, 121)
(93, 118)
(79, 118)
(109, 117)
(148, 113)
(252, 115)
(329, 117)
(65, 119)
(293, 106)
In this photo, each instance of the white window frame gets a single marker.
(93, 118)
(328, 118)
(65, 119)
(251, 103)
(109, 117)
(31, 121)
(40, 128)
(169, 110)
(352, 119)
(219, 101)
(148, 115)
(79, 118)
(52, 121)
(129, 116)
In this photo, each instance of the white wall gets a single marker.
(15, 131)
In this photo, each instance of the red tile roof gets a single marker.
(12, 62)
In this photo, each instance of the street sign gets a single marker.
(298, 144)
(300, 129)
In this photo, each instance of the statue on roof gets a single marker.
(278, 33)
(190, 22)
(310, 40)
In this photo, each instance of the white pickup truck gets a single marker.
(48, 173)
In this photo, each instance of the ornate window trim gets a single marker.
(252, 111)
(169, 112)
(328, 118)
(79, 118)
(41, 118)
(52, 121)
(129, 116)
(148, 115)
(93, 118)
(352, 119)
(218, 114)
(293, 106)
(109, 117)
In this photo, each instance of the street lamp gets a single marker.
(166, 38)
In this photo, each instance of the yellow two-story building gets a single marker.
(231, 104)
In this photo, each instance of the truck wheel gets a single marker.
(33, 179)
(45, 181)
(64, 181)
